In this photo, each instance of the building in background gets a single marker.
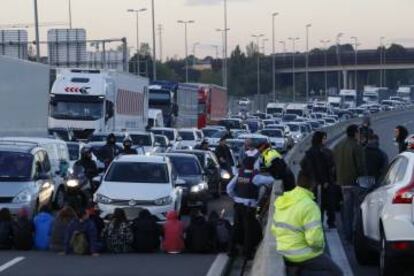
(14, 43)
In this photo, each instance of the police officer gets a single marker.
(244, 189)
(268, 154)
(128, 150)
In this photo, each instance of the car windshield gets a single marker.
(73, 151)
(160, 140)
(15, 166)
(274, 110)
(294, 127)
(187, 135)
(141, 139)
(135, 172)
(76, 110)
(272, 133)
(230, 124)
(168, 133)
(298, 112)
(209, 132)
(185, 166)
(320, 109)
(219, 134)
(289, 117)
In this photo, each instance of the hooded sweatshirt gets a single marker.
(297, 226)
(43, 230)
(173, 234)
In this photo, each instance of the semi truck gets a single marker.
(200, 104)
(349, 97)
(406, 93)
(162, 95)
(24, 97)
(335, 101)
(84, 101)
(276, 108)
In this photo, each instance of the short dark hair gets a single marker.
(352, 130)
(304, 181)
(317, 138)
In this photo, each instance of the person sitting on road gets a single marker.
(222, 231)
(117, 234)
(23, 231)
(147, 233)
(81, 235)
(297, 228)
(199, 234)
(173, 241)
(128, 150)
(42, 228)
(6, 229)
(64, 217)
(93, 213)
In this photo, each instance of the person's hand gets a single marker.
(95, 254)
(62, 253)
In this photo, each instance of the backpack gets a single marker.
(79, 243)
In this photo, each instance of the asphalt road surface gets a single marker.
(35, 263)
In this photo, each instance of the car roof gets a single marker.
(176, 154)
(33, 140)
(139, 133)
(187, 129)
(164, 128)
(141, 158)
(20, 148)
(254, 136)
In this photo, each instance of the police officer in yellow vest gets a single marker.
(298, 230)
(268, 154)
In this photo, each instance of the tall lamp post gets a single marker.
(258, 36)
(224, 62)
(137, 11)
(325, 48)
(293, 40)
(338, 56)
(308, 26)
(185, 23)
(356, 61)
(283, 43)
(226, 29)
(274, 55)
(381, 60)
(36, 18)
(70, 14)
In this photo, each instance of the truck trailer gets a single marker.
(84, 101)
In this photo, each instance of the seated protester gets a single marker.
(81, 235)
(173, 241)
(6, 229)
(60, 224)
(117, 234)
(222, 231)
(297, 228)
(93, 213)
(199, 236)
(23, 231)
(147, 233)
(42, 228)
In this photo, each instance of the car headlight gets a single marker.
(163, 201)
(225, 175)
(102, 199)
(72, 183)
(23, 197)
(298, 136)
(199, 187)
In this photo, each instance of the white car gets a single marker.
(171, 133)
(298, 131)
(277, 139)
(136, 182)
(141, 139)
(190, 137)
(385, 221)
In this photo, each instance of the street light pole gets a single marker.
(154, 44)
(36, 15)
(307, 61)
(338, 56)
(137, 11)
(224, 62)
(70, 14)
(274, 55)
(225, 81)
(293, 39)
(356, 61)
(325, 48)
(186, 45)
(264, 40)
(381, 60)
(284, 48)
(160, 29)
(258, 36)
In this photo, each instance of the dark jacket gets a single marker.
(147, 234)
(108, 153)
(318, 163)
(364, 132)
(403, 134)
(350, 162)
(87, 227)
(129, 151)
(376, 161)
(22, 234)
(91, 169)
(223, 151)
(199, 236)
(118, 239)
(57, 239)
(6, 235)
(43, 229)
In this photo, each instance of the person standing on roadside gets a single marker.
(350, 164)
(319, 165)
(376, 159)
(400, 134)
(365, 130)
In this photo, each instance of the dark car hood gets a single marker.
(192, 179)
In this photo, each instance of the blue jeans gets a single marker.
(349, 210)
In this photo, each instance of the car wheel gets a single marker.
(60, 198)
(386, 262)
(363, 253)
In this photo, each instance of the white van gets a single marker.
(155, 118)
(58, 153)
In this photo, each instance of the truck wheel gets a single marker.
(387, 266)
(363, 253)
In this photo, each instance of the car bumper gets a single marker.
(132, 212)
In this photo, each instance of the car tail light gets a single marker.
(400, 246)
(404, 195)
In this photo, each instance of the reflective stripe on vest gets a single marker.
(293, 228)
(296, 252)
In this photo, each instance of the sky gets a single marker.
(366, 19)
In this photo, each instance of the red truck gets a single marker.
(200, 104)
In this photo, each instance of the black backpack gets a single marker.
(23, 234)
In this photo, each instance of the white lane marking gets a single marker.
(218, 266)
(11, 263)
(337, 252)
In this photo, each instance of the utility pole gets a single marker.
(338, 56)
(36, 15)
(274, 55)
(138, 63)
(225, 45)
(284, 48)
(186, 44)
(70, 14)
(325, 48)
(307, 61)
(264, 40)
(293, 39)
(258, 36)
(356, 61)
(224, 64)
(381, 60)
(154, 44)
(160, 29)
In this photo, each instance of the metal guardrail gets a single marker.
(267, 261)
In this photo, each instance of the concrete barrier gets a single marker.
(267, 261)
